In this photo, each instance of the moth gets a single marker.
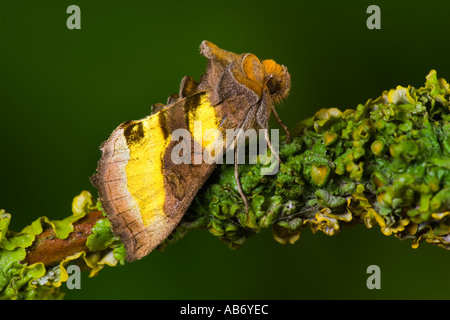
(143, 191)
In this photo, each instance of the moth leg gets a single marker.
(238, 182)
(288, 135)
(267, 138)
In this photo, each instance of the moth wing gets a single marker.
(131, 184)
(142, 191)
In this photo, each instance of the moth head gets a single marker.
(266, 75)
(277, 80)
(246, 70)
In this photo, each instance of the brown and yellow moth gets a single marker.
(143, 191)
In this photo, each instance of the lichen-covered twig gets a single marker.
(51, 250)
(33, 261)
(385, 163)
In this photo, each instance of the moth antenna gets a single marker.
(267, 138)
(238, 182)
(240, 225)
(285, 128)
(295, 214)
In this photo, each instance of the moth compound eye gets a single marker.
(273, 85)
(278, 80)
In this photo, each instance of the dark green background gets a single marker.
(62, 92)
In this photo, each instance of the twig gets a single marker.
(50, 250)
